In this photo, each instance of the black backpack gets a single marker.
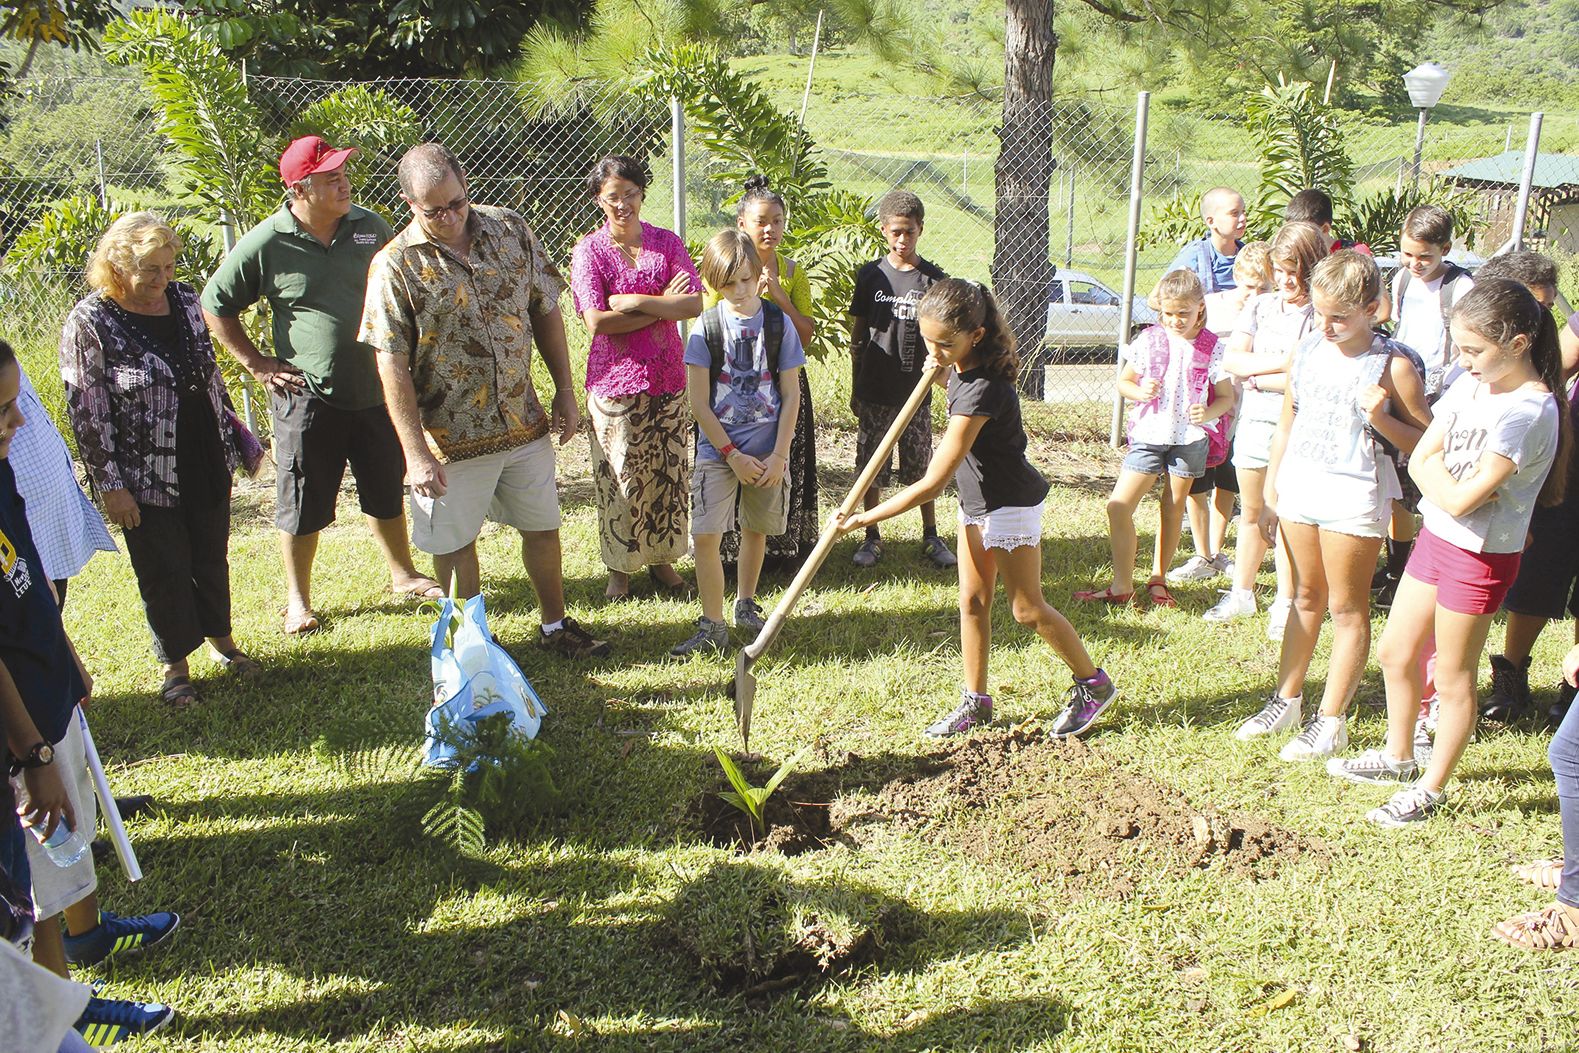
(713, 332)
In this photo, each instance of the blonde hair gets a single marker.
(1349, 277)
(1302, 243)
(725, 252)
(1253, 265)
(1180, 286)
(129, 240)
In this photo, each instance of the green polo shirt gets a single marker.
(315, 294)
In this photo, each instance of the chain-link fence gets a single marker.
(97, 136)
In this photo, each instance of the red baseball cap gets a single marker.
(310, 154)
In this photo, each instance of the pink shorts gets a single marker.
(1466, 582)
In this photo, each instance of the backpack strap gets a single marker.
(713, 333)
(1446, 296)
(1205, 344)
(1400, 282)
(772, 334)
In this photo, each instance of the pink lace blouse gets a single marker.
(650, 359)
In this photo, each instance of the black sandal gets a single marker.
(178, 692)
(239, 663)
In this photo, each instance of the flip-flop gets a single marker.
(432, 591)
(178, 692)
(304, 624)
(239, 663)
(680, 589)
(1107, 595)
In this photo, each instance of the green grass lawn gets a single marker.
(317, 916)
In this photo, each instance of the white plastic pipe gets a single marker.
(1126, 311)
(1532, 149)
(112, 815)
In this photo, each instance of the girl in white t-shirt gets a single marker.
(1328, 491)
(1173, 373)
(1498, 446)
(1257, 357)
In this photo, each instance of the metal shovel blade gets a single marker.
(744, 691)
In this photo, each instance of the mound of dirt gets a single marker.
(1062, 809)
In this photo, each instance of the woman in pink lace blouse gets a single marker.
(632, 282)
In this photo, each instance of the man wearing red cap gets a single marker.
(309, 261)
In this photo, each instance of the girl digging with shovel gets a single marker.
(1000, 504)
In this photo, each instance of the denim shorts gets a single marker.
(1186, 461)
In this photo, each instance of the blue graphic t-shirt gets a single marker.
(746, 396)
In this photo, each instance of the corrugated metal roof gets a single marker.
(1551, 170)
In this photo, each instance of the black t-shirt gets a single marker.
(996, 473)
(885, 301)
(32, 639)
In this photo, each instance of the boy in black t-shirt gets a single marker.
(41, 684)
(886, 360)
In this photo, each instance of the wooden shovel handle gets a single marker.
(830, 533)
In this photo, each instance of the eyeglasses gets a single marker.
(453, 208)
(627, 199)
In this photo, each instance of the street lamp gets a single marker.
(1426, 83)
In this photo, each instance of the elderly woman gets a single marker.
(632, 282)
(155, 429)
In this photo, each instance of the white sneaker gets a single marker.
(1277, 618)
(1235, 604)
(1225, 565)
(1279, 714)
(1198, 568)
(1322, 737)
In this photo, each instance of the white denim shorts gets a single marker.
(1008, 528)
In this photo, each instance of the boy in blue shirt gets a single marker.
(41, 684)
(1212, 257)
(742, 374)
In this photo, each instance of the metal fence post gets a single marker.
(677, 150)
(1137, 170)
(104, 190)
(1532, 147)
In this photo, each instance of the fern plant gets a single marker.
(500, 780)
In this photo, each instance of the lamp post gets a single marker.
(1426, 83)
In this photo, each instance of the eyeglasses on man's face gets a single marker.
(453, 208)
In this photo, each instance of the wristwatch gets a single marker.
(41, 755)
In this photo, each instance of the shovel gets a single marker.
(745, 685)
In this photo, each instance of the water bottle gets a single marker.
(65, 846)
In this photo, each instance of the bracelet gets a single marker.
(725, 450)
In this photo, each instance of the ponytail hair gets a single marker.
(758, 189)
(1500, 309)
(965, 306)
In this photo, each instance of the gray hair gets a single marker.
(426, 165)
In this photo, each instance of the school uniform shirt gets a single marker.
(885, 299)
(746, 397)
(1166, 421)
(1419, 325)
(33, 643)
(1521, 426)
(1275, 328)
(995, 473)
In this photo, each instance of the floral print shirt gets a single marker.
(123, 393)
(465, 326)
(650, 359)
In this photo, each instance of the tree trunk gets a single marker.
(1021, 270)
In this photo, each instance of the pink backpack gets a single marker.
(1219, 432)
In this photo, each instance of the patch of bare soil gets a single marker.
(796, 816)
(1061, 809)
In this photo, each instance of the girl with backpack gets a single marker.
(1329, 489)
(1173, 372)
(1497, 447)
(1001, 502)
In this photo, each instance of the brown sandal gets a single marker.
(178, 692)
(1548, 929)
(1157, 592)
(1544, 874)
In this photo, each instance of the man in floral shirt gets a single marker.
(454, 305)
